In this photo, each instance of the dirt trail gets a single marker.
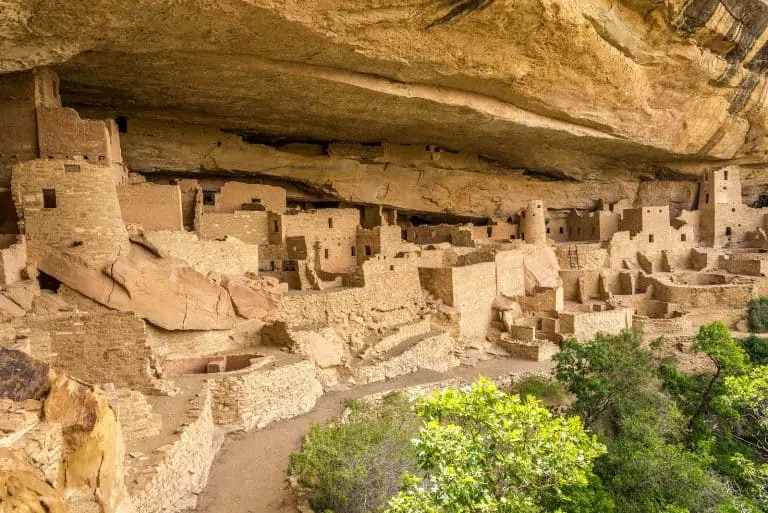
(248, 475)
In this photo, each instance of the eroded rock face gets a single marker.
(567, 86)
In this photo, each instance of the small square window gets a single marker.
(209, 197)
(49, 198)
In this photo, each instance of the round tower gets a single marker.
(533, 226)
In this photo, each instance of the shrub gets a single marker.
(758, 315)
(355, 466)
(757, 348)
(550, 392)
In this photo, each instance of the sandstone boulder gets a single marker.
(24, 490)
(249, 301)
(164, 291)
(94, 445)
(21, 376)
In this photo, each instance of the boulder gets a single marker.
(249, 302)
(21, 376)
(165, 291)
(24, 490)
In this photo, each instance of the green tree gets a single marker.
(602, 372)
(482, 450)
(725, 353)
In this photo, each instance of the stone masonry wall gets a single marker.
(255, 398)
(13, 260)
(82, 214)
(585, 325)
(154, 207)
(107, 347)
(177, 472)
(249, 226)
(226, 257)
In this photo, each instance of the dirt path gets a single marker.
(248, 475)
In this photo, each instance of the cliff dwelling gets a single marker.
(211, 234)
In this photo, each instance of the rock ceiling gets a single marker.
(575, 87)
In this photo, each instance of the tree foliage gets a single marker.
(355, 466)
(758, 314)
(482, 450)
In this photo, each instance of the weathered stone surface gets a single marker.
(95, 449)
(649, 81)
(165, 291)
(21, 376)
(249, 302)
(24, 490)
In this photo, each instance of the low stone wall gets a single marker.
(177, 472)
(737, 294)
(254, 398)
(585, 325)
(434, 352)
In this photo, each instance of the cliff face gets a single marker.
(587, 90)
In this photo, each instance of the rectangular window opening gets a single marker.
(330, 222)
(354, 251)
(327, 253)
(49, 198)
(209, 197)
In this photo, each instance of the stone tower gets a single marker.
(533, 226)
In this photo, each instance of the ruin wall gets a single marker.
(205, 256)
(177, 472)
(83, 218)
(250, 227)
(154, 207)
(254, 398)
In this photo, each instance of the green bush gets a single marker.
(758, 315)
(355, 466)
(550, 392)
(757, 348)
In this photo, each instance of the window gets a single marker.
(725, 175)
(548, 229)
(71, 168)
(256, 201)
(330, 222)
(706, 199)
(728, 231)
(650, 238)
(354, 251)
(122, 124)
(683, 237)
(578, 230)
(209, 197)
(391, 267)
(561, 229)
(49, 198)
(367, 251)
(275, 226)
(327, 253)
(522, 236)
(489, 230)
(733, 210)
